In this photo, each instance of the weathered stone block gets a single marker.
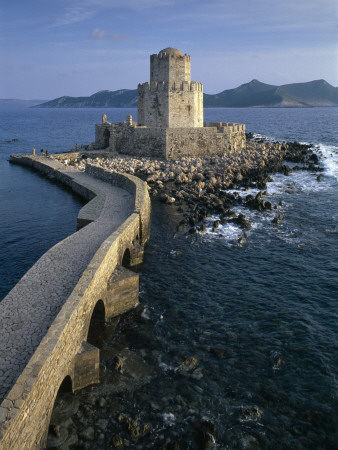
(122, 291)
(86, 366)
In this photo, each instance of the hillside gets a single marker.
(122, 98)
(252, 94)
(257, 94)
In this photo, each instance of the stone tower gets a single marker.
(170, 117)
(171, 99)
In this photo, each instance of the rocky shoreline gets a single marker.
(201, 187)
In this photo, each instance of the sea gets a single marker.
(236, 343)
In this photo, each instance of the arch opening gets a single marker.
(66, 385)
(64, 407)
(96, 325)
(126, 259)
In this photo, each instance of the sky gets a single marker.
(52, 48)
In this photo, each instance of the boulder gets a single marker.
(188, 365)
(164, 198)
(241, 221)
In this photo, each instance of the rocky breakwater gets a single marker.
(202, 187)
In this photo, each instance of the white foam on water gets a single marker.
(259, 136)
(329, 158)
(231, 231)
(165, 367)
(169, 418)
(145, 314)
(283, 188)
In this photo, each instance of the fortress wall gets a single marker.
(171, 143)
(138, 141)
(186, 105)
(175, 104)
(101, 136)
(197, 142)
(26, 410)
(145, 142)
(153, 106)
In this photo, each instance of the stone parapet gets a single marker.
(134, 186)
(164, 86)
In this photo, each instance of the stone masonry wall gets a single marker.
(186, 105)
(25, 413)
(172, 143)
(205, 141)
(175, 105)
(133, 185)
(153, 104)
(137, 141)
(170, 68)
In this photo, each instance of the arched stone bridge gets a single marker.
(46, 317)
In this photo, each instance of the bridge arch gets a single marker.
(60, 401)
(126, 258)
(66, 385)
(96, 322)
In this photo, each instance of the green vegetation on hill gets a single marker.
(252, 94)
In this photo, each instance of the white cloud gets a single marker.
(73, 15)
(101, 34)
(131, 4)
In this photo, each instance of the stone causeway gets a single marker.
(45, 318)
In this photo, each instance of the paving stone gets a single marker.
(29, 309)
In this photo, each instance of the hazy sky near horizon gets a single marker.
(77, 47)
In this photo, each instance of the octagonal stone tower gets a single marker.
(171, 99)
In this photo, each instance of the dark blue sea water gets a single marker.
(261, 319)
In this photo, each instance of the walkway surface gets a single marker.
(29, 309)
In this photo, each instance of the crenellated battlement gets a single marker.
(226, 126)
(169, 54)
(164, 86)
(187, 86)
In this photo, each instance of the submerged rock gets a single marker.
(116, 441)
(188, 365)
(64, 407)
(241, 221)
(164, 198)
(250, 412)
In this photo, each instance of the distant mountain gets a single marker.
(257, 94)
(313, 93)
(124, 98)
(253, 94)
(15, 102)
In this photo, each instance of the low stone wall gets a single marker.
(26, 410)
(134, 186)
(171, 143)
(206, 141)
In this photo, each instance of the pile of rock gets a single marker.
(199, 186)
